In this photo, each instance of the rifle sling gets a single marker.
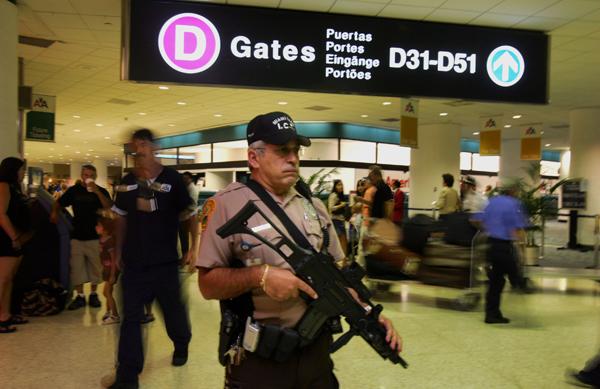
(287, 223)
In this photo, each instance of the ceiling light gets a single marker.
(87, 155)
(67, 146)
(548, 144)
(181, 103)
(476, 133)
(282, 102)
(51, 156)
(364, 116)
(76, 116)
(171, 125)
(517, 116)
(78, 152)
(507, 126)
(387, 103)
(217, 115)
(163, 87)
(90, 149)
(141, 113)
(107, 137)
(99, 125)
(97, 156)
(77, 130)
(443, 113)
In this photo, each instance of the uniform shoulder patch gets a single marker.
(207, 211)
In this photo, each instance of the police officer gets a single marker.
(149, 202)
(504, 221)
(273, 148)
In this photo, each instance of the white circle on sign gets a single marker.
(505, 66)
(189, 43)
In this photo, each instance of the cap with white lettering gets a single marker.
(276, 128)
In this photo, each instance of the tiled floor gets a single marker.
(551, 330)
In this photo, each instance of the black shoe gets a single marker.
(93, 301)
(496, 320)
(179, 358)
(76, 303)
(582, 378)
(124, 385)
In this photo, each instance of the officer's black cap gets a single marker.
(276, 128)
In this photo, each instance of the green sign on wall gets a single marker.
(40, 126)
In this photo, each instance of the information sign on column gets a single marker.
(409, 123)
(490, 135)
(40, 120)
(531, 143)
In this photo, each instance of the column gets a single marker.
(585, 163)
(511, 164)
(9, 77)
(75, 172)
(102, 170)
(438, 153)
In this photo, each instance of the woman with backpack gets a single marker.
(14, 227)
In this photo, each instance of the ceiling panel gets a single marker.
(570, 9)
(307, 5)
(405, 12)
(577, 29)
(357, 8)
(497, 20)
(452, 16)
(520, 7)
(63, 6)
(471, 5)
(541, 23)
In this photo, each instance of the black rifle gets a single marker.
(331, 284)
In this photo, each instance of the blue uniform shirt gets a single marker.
(502, 216)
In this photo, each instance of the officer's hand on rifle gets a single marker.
(392, 337)
(282, 284)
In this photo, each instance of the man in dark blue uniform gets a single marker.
(504, 220)
(149, 202)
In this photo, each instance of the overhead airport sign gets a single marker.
(212, 44)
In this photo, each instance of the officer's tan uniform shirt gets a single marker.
(216, 252)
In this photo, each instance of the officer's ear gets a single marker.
(253, 155)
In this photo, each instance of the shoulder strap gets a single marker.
(287, 223)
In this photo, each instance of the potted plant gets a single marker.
(539, 204)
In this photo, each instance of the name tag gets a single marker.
(126, 188)
(158, 187)
(262, 227)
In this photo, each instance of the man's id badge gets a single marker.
(147, 205)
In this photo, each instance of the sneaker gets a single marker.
(93, 301)
(496, 320)
(582, 379)
(76, 303)
(179, 358)
(111, 319)
(148, 318)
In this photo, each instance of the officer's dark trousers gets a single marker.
(142, 286)
(309, 368)
(503, 261)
